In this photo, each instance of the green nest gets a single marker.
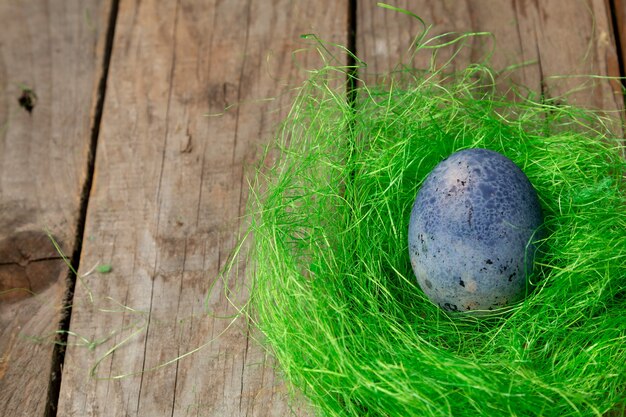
(333, 291)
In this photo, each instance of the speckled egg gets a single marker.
(472, 232)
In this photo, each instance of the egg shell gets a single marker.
(472, 232)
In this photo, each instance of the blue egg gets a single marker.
(473, 230)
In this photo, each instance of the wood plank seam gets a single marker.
(353, 71)
(614, 8)
(58, 353)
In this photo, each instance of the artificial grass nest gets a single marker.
(333, 291)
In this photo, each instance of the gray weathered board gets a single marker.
(193, 91)
(51, 57)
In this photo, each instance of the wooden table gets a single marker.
(126, 130)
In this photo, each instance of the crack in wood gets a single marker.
(56, 371)
(615, 8)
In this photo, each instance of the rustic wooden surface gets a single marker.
(168, 189)
(51, 55)
(555, 38)
(193, 89)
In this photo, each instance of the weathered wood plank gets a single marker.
(560, 37)
(50, 66)
(168, 189)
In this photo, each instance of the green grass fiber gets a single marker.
(333, 291)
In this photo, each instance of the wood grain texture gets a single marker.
(168, 191)
(50, 66)
(572, 38)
